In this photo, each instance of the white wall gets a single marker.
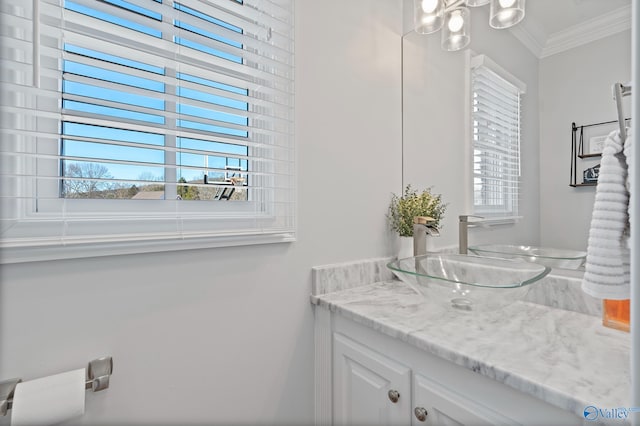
(435, 145)
(225, 335)
(575, 86)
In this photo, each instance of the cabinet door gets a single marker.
(445, 407)
(368, 388)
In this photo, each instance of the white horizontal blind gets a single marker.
(496, 142)
(146, 120)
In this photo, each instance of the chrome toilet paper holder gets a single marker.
(98, 373)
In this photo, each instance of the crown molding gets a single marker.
(611, 23)
(532, 37)
(535, 39)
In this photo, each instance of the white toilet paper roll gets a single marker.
(49, 400)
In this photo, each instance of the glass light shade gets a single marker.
(475, 3)
(456, 31)
(506, 13)
(428, 15)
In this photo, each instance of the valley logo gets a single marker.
(593, 413)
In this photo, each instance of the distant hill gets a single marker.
(191, 190)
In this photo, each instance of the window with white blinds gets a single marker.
(142, 125)
(495, 116)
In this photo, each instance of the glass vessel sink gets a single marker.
(552, 257)
(467, 282)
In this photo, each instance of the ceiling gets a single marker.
(552, 26)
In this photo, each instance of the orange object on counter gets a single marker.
(616, 314)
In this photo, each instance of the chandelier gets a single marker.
(453, 17)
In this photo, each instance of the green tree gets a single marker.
(133, 190)
(187, 192)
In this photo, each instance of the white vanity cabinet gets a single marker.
(364, 377)
(371, 389)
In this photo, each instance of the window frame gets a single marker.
(255, 214)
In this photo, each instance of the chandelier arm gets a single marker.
(453, 4)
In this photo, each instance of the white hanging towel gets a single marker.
(607, 267)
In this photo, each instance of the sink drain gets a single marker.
(462, 304)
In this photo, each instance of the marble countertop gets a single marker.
(565, 358)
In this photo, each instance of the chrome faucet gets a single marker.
(463, 232)
(423, 226)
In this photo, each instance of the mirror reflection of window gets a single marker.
(495, 116)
